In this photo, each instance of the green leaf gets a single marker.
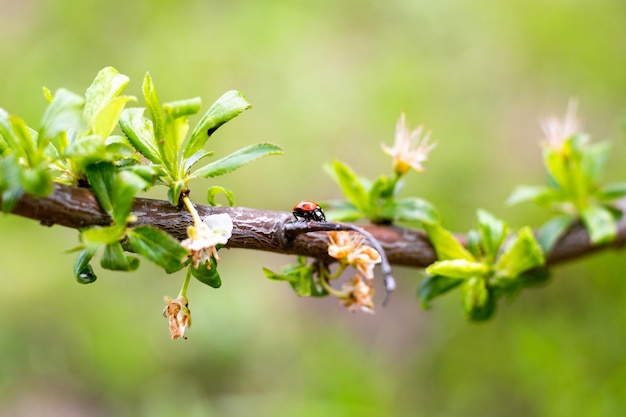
(19, 138)
(83, 272)
(140, 133)
(492, 232)
(10, 198)
(445, 244)
(174, 192)
(183, 108)
(237, 159)
(127, 185)
(478, 302)
(158, 246)
(600, 224)
(215, 190)
(175, 130)
(154, 107)
(103, 107)
(88, 148)
(269, 274)
(593, 161)
(557, 167)
(433, 286)
(302, 285)
(551, 231)
(193, 159)
(98, 235)
(37, 180)
(411, 209)
(115, 259)
(612, 192)
(351, 186)
(458, 268)
(522, 254)
(381, 189)
(208, 276)
(537, 193)
(101, 177)
(228, 106)
(64, 113)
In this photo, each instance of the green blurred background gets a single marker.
(327, 79)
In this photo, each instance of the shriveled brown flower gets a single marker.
(179, 316)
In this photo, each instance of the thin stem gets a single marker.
(323, 280)
(192, 210)
(183, 290)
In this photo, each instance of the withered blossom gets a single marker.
(179, 316)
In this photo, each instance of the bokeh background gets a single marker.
(327, 80)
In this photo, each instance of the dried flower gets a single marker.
(204, 237)
(410, 148)
(179, 315)
(557, 131)
(349, 249)
(359, 295)
(364, 259)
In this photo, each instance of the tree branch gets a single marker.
(265, 230)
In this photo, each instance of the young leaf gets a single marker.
(193, 159)
(445, 244)
(458, 268)
(524, 193)
(612, 192)
(174, 192)
(433, 286)
(411, 209)
(101, 176)
(228, 106)
(208, 276)
(158, 246)
(600, 224)
(551, 231)
(64, 113)
(351, 186)
(237, 159)
(593, 161)
(126, 186)
(115, 259)
(492, 232)
(103, 106)
(215, 190)
(83, 272)
(522, 254)
(154, 107)
(97, 235)
(478, 302)
(140, 133)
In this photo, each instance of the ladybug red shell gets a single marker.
(308, 210)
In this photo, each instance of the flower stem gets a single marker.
(183, 290)
(192, 210)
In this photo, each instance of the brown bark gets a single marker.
(266, 230)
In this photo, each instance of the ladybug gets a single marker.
(308, 210)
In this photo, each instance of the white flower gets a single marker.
(204, 237)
